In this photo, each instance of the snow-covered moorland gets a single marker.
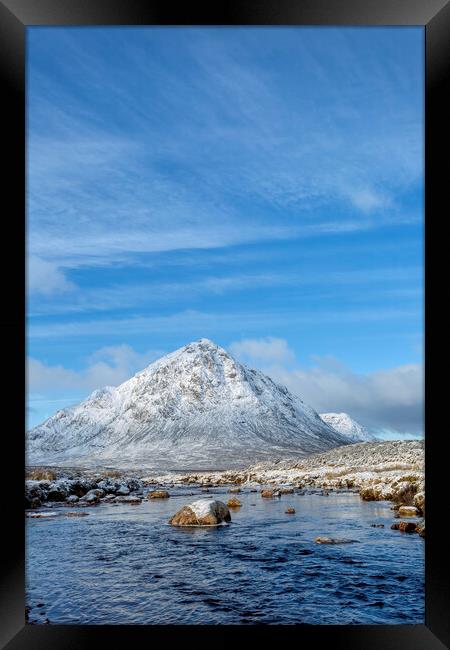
(382, 470)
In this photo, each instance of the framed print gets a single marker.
(225, 300)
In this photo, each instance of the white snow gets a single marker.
(201, 508)
(346, 425)
(196, 408)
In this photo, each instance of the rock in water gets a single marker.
(334, 540)
(234, 503)
(204, 512)
(158, 494)
(408, 511)
(196, 408)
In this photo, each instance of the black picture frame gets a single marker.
(15, 17)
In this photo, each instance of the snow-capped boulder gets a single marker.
(408, 511)
(93, 496)
(204, 512)
(58, 492)
(334, 540)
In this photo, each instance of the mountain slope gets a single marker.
(196, 408)
(344, 424)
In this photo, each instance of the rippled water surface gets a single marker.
(125, 564)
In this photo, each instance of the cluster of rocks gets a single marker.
(83, 490)
(378, 471)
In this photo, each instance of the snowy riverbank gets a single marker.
(388, 470)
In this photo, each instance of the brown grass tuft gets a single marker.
(41, 475)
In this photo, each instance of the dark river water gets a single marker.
(124, 564)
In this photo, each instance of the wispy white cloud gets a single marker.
(220, 154)
(46, 278)
(199, 323)
(127, 295)
(108, 366)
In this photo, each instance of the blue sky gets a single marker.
(262, 187)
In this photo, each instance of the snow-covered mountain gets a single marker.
(196, 408)
(344, 424)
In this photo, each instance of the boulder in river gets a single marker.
(290, 511)
(128, 498)
(234, 503)
(267, 494)
(158, 494)
(408, 511)
(235, 490)
(93, 496)
(42, 515)
(204, 512)
(334, 540)
(407, 526)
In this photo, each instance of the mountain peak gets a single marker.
(206, 342)
(346, 425)
(194, 408)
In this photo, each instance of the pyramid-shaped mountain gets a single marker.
(196, 408)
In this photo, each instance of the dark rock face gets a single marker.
(32, 503)
(57, 494)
